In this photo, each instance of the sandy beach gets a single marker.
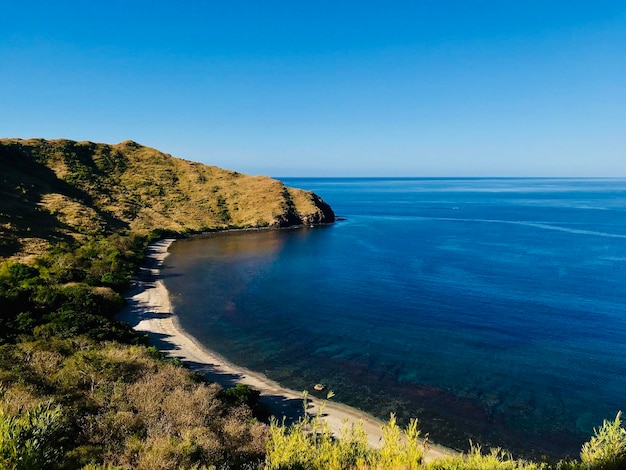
(149, 311)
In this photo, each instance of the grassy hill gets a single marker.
(79, 389)
(54, 190)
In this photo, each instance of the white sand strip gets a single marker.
(149, 311)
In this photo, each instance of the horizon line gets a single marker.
(455, 177)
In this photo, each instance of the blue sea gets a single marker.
(490, 309)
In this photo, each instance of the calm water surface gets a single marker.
(492, 309)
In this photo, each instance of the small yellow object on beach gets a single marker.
(318, 387)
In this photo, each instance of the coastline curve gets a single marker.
(149, 311)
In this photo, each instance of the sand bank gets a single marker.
(149, 311)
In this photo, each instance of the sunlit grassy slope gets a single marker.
(62, 190)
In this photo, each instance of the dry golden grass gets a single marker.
(77, 217)
(62, 190)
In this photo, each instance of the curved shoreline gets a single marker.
(149, 311)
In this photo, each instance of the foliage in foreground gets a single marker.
(29, 440)
(310, 445)
(607, 448)
(67, 403)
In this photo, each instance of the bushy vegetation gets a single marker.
(309, 445)
(31, 439)
(71, 290)
(67, 403)
(80, 390)
(607, 448)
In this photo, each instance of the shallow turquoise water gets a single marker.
(492, 309)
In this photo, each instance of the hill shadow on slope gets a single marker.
(23, 217)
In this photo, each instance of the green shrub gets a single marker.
(400, 451)
(241, 394)
(606, 450)
(309, 444)
(496, 459)
(32, 440)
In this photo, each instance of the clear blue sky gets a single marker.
(389, 88)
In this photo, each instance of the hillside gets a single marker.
(79, 389)
(54, 190)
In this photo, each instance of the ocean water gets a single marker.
(491, 309)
